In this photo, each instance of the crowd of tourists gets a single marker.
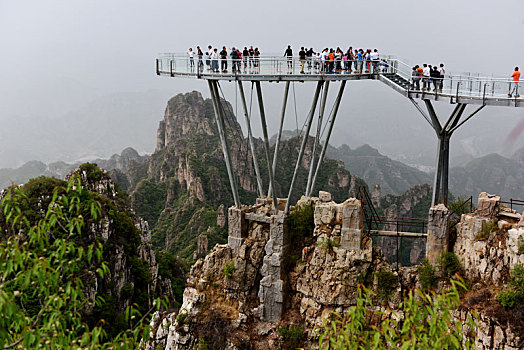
(331, 60)
(429, 75)
(247, 57)
(328, 60)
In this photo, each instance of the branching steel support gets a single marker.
(317, 137)
(330, 129)
(277, 144)
(440, 182)
(250, 137)
(266, 144)
(303, 146)
(219, 116)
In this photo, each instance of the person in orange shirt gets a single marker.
(516, 78)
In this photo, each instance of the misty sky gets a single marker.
(57, 54)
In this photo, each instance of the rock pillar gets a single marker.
(272, 284)
(238, 226)
(438, 232)
(350, 213)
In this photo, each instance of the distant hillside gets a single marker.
(366, 162)
(492, 173)
(34, 168)
(374, 168)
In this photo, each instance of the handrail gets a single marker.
(512, 202)
(451, 85)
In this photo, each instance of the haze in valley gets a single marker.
(78, 77)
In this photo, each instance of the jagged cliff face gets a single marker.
(188, 134)
(240, 293)
(126, 240)
(180, 188)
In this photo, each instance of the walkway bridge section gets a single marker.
(457, 89)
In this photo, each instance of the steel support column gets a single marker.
(317, 136)
(330, 129)
(303, 146)
(440, 182)
(250, 137)
(277, 144)
(266, 144)
(219, 117)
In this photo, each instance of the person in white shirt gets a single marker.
(426, 73)
(209, 53)
(375, 60)
(214, 61)
(191, 55)
(442, 72)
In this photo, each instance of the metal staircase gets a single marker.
(371, 219)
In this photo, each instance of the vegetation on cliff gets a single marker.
(47, 267)
(424, 321)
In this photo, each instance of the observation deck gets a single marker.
(458, 89)
(466, 88)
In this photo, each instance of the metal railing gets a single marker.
(177, 64)
(514, 202)
(452, 85)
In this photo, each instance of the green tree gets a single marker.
(426, 323)
(44, 269)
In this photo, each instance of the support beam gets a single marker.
(440, 182)
(330, 129)
(303, 146)
(250, 137)
(219, 116)
(266, 144)
(317, 137)
(277, 144)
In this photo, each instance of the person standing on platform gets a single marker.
(235, 60)
(214, 61)
(435, 77)
(350, 58)
(223, 60)
(289, 54)
(257, 57)
(200, 54)
(415, 79)
(309, 57)
(191, 55)
(515, 83)
(426, 72)
(302, 57)
(442, 73)
(245, 56)
(375, 59)
(360, 60)
(209, 53)
(251, 56)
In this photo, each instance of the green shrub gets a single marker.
(450, 265)
(183, 318)
(93, 172)
(292, 337)
(508, 298)
(387, 281)
(428, 278)
(413, 327)
(487, 228)
(229, 269)
(521, 245)
(512, 297)
(300, 222)
(328, 243)
(517, 279)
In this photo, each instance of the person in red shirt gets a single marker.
(515, 83)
